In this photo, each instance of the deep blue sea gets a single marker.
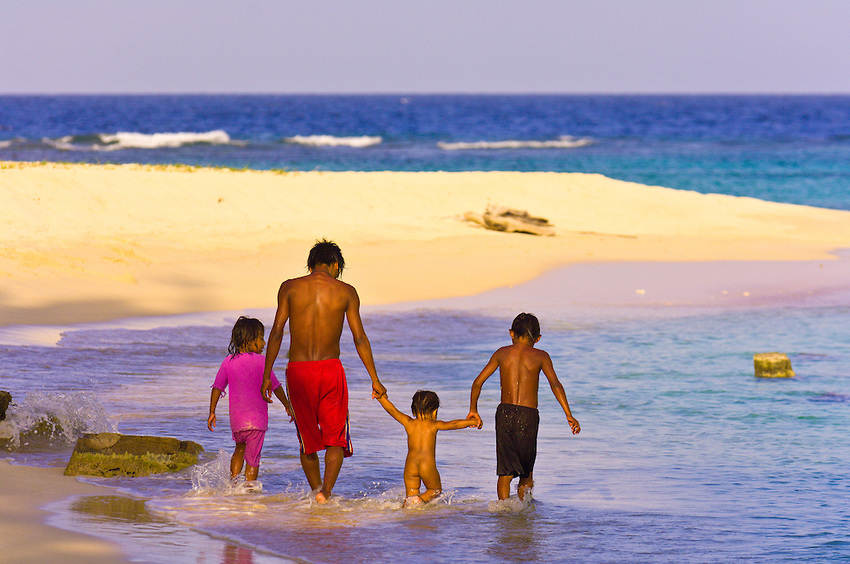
(780, 148)
(684, 455)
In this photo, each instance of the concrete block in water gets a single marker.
(772, 365)
(112, 454)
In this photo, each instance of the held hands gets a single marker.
(476, 419)
(574, 425)
(378, 390)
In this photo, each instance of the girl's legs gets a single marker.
(237, 460)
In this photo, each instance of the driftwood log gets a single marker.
(512, 221)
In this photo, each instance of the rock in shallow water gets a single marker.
(112, 454)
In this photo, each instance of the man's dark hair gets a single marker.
(325, 252)
(424, 402)
(526, 325)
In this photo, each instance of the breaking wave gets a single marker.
(48, 419)
(332, 141)
(133, 140)
(563, 142)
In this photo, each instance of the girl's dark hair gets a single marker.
(245, 330)
(424, 402)
(325, 252)
(526, 325)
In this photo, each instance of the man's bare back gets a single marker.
(316, 305)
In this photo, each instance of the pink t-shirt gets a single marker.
(244, 374)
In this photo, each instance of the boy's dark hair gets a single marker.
(245, 330)
(325, 252)
(424, 402)
(526, 325)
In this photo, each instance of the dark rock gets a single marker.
(112, 454)
(5, 400)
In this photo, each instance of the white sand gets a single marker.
(24, 537)
(83, 243)
(87, 243)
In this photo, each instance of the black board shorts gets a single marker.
(516, 439)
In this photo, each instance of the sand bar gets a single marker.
(81, 243)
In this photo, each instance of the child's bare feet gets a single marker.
(321, 497)
(412, 501)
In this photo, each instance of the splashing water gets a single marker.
(53, 419)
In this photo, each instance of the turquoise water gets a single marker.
(684, 455)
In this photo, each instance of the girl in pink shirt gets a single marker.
(242, 370)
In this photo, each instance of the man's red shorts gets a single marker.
(319, 396)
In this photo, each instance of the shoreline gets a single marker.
(25, 491)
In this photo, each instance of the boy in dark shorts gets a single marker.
(517, 418)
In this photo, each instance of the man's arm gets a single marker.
(488, 371)
(362, 344)
(560, 394)
(275, 338)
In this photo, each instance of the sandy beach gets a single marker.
(23, 535)
(85, 243)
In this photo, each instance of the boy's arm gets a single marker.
(476, 389)
(281, 395)
(456, 424)
(392, 410)
(560, 394)
(215, 394)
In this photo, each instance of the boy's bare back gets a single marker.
(519, 372)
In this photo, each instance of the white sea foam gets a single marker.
(332, 141)
(5, 144)
(50, 418)
(131, 140)
(563, 142)
(134, 140)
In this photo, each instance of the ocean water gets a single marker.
(780, 148)
(684, 455)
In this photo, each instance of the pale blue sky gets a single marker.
(396, 46)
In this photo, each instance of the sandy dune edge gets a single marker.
(85, 243)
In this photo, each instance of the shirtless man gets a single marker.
(316, 306)
(517, 418)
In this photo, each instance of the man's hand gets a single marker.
(574, 425)
(476, 418)
(266, 390)
(378, 390)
